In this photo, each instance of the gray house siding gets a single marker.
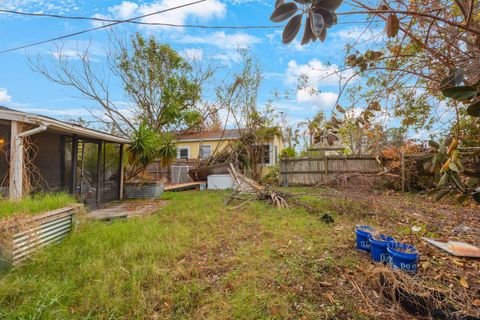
(48, 160)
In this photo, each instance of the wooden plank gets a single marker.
(16, 161)
(184, 186)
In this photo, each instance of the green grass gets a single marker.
(193, 260)
(34, 204)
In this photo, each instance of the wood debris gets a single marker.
(459, 249)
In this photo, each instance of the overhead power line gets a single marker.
(100, 27)
(136, 22)
(56, 16)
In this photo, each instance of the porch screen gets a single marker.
(97, 170)
(110, 172)
(4, 153)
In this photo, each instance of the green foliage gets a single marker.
(288, 152)
(272, 176)
(163, 266)
(167, 148)
(35, 204)
(160, 84)
(447, 166)
(146, 146)
(452, 88)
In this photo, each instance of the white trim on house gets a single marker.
(200, 148)
(271, 156)
(183, 147)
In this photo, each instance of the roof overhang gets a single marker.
(60, 126)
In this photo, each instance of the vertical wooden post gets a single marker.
(403, 171)
(122, 171)
(16, 162)
(74, 164)
(99, 173)
(325, 164)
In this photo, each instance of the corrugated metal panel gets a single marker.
(37, 232)
(145, 191)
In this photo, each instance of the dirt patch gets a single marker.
(127, 209)
(408, 218)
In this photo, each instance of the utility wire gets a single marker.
(136, 22)
(100, 27)
(31, 14)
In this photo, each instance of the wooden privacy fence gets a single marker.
(314, 171)
(158, 171)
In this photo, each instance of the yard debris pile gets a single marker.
(244, 186)
(446, 286)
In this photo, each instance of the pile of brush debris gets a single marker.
(247, 190)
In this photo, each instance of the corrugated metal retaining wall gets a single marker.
(313, 171)
(24, 237)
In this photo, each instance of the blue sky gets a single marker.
(23, 89)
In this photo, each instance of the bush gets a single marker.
(147, 146)
(288, 152)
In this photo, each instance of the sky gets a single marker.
(23, 89)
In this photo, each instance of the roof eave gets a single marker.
(13, 115)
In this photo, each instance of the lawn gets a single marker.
(34, 204)
(196, 259)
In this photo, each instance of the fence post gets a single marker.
(403, 171)
(325, 164)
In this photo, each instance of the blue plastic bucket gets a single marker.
(363, 232)
(378, 247)
(399, 259)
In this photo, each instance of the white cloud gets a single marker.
(357, 33)
(227, 43)
(4, 96)
(124, 10)
(324, 100)
(239, 40)
(204, 11)
(70, 112)
(241, 2)
(41, 6)
(316, 72)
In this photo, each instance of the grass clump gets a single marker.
(34, 204)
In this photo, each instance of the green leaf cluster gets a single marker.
(147, 145)
(447, 166)
(454, 87)
(160, 84)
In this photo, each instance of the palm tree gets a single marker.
(313, 127)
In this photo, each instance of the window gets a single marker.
(205, 151)
(183, 153)
(263, 152)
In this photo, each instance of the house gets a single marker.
(60, 156)
(200, 145)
